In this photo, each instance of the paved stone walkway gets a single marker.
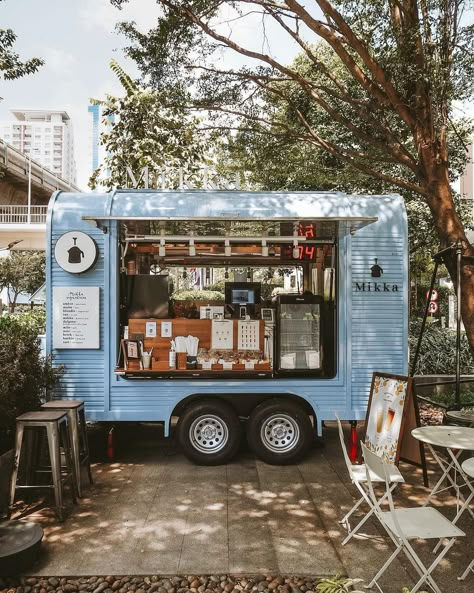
(153, 512)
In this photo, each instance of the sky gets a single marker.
(77, 40)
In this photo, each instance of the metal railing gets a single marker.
(20, 214)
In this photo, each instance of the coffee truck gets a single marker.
(312, 298)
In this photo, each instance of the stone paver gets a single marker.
(154, 512)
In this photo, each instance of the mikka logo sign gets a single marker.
(376, 271)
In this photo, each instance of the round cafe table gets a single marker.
(468, 468)
(455, 439)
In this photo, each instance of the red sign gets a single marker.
(434, 295)
(305, 252)
(433, 307)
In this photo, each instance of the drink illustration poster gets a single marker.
(386, 415)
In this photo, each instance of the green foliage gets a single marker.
(11, 66)
(198, 295)
(25, 374)
(337, 584)
(217, 286)
(275, 158)
(141, 130)
(370, 109)
(438, 347)
(22, 271)
(340, 584)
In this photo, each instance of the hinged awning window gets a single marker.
(152, 228)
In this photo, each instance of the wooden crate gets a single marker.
(133, 365)
(160, 365)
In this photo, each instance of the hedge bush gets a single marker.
(26, 375)
(438, 350)
(198, 295)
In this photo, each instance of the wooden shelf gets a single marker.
(187, 373)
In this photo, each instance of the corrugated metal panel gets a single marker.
(84, 369)
(379, 318)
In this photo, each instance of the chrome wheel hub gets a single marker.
(280, 433)
(208, 434)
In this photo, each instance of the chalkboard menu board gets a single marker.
(76, 317)
(390, 396)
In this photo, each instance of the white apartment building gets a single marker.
(45, 135)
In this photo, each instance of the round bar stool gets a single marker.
(77, 423)
(55, 424)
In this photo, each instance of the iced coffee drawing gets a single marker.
(390, 417)
(379, 420)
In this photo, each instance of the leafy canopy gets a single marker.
(141, 130)
(396, 70)
(22, 271)
(11, 65)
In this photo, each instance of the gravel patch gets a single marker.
(158, 584)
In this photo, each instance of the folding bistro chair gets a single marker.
(406, 524)
(358, 477)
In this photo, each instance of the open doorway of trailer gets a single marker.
(238, 270)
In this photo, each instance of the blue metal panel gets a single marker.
(188, 204)
(379, 319)
(372, 329)
(85, 372)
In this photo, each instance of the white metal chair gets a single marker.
(358, 477)
(468, 467)
(407, 524)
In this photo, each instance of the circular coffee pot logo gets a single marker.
(76, 252)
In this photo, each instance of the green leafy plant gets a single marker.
(26, 375)
(337, 584)
(438, 347)
(11, 66)
(198, 295)
(22, 271)
(142, 131)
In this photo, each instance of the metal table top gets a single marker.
(450, 437)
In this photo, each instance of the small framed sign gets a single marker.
(267, 314)
(131, 353)
(386, 413)
(132, 349)
(76, 317)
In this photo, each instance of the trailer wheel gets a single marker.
(209, 432)
(279, 432)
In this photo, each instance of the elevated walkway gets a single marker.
(19, 222)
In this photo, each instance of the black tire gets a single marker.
(279, 432)
(209, 432)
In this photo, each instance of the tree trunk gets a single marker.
(12, 303)
(450, 230)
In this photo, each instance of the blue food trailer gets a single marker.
(274, 366)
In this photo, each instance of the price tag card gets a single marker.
(249, 335)
(222, 337)
(150, 329)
